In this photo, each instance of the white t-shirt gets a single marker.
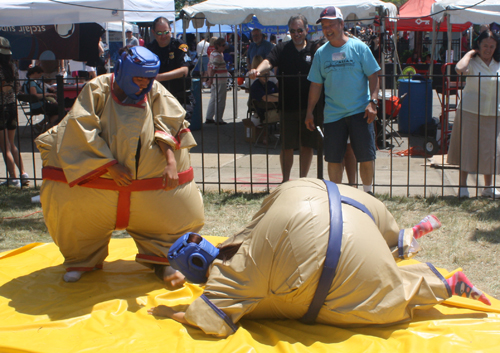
(488, 102)
(201, 48)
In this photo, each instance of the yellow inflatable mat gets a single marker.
(106, 311)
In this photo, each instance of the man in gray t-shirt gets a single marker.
(131, 41)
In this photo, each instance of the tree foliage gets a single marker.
(179, 4)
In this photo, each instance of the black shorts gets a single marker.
(294, 132)
(8, 116)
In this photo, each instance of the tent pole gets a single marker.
(394, 61)
(382, 64)
(124, 39)
(108, 64)
(449, 58)
(433, 47)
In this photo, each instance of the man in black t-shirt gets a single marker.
(175, 64)
(293, 60)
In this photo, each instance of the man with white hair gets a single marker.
(259, 46)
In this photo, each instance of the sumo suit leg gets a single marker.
(80, 221)
(158, 218)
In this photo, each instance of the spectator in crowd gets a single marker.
(51, 68)
(120, 160)
(428, 59)
(175, 64)
(279, 267)
(47, 103)
(375, 47)
(217, 79)
(413, 59)
(211, 46)
(130, 41)
(293, 60)
(349, 163)
(201, 51)
(259, 46)
(9, 86)
(350, 107)
(263, 90)
(273, 39)
(464, 45)
(475, 138)
(23, 66)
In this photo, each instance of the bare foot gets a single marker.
(161, 310)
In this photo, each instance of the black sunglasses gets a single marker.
(299, 31)
(160, 33)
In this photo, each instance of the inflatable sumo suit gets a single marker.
(82, 205)
(275, 273)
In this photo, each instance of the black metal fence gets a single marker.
(412, 139)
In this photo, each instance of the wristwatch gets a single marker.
(374, 101)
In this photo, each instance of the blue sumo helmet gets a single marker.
(141, 63)
(192, 259)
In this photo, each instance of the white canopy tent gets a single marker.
(277, 12)
(462, 11)
(41, 12)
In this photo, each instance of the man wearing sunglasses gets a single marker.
(175, 64)
(293, 60)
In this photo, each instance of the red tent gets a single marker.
(414, 16)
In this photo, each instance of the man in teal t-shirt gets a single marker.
(349, 73)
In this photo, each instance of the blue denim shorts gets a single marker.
(361, 134)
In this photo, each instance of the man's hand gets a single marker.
(120, 174)
(170, 176)
(370, 112)
(253, 74)
(310, 122)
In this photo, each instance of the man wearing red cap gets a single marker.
(349, 73)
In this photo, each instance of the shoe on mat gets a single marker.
(463, 192)
(210, 121)
(490, 191)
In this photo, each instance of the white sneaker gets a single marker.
(25, 179)
(489, 192)
(72, 276)
(14, 183)
(463, 192)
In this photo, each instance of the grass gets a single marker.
(469, 238)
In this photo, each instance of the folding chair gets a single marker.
(268, 115)
(25, 102)
(393, 105)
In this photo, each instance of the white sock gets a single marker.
(367, 188)
(73, 276)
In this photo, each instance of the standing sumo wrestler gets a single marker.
(274, 268)
(120, 160)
